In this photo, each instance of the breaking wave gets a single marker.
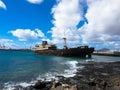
(70, 72)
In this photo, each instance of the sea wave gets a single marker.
(15, 86)
(70, 72)
(72, 69)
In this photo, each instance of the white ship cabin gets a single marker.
(44, 46)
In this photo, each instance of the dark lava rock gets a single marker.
(42, 85)
(58, 84)
(95, 76)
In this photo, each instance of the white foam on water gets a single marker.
(11, 86)
(25, 84)
(72, 69)
(8, 86)
(70, 72)
(89, 60)
(47, 77)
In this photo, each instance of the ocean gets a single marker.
(24, 68)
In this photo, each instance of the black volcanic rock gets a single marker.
(95, 76)
(42, 85)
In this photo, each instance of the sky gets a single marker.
(24, 23)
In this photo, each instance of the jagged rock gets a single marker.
(43, 85)
(60, 86)
(91, 77)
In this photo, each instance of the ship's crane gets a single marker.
(64, 38)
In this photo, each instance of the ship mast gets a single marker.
(64, 38)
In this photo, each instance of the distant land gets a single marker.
(107, 52)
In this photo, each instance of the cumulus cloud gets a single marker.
(2, 5)
(7, 43)
(35, 1)
(27, 34)
(67, 15)
(103, 22)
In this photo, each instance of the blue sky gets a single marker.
(24, 23)
(21, 14)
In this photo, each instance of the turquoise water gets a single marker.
(25, 67)
(19, 65)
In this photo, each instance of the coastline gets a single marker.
(107, 53)
(94, 76)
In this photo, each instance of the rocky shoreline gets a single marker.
(94, 76)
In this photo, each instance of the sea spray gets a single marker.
(70, 72)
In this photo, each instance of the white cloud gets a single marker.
(7, 43)
(2, 5)
(102, 29)
(67, 15)
(27, 34)
(35, 1)
(6, 40)
(103, 22)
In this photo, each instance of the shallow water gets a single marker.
(24, 68)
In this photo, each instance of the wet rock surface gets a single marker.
(94, 76)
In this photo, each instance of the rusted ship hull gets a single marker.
(72, 52)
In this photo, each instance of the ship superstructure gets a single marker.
(44, 46)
